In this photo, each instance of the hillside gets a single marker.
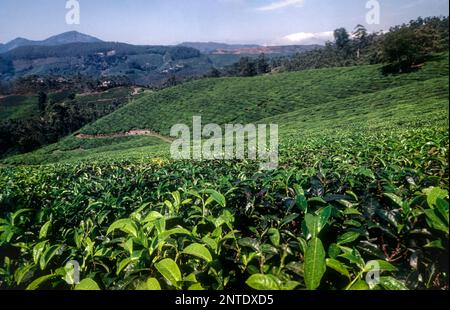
(362, 179)
(245, 100)
(302, 103)
(143, 65)
(214, 48)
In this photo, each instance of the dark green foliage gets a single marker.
(262, 65)
(341, 38)
(408, 45)
(401, 47)
(42, 100)
(60, 114)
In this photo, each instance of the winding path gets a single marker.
(131, 133)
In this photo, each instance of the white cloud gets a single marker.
(281, 4)
(303, 38)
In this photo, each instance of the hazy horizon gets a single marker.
(170, 22)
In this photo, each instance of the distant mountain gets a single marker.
(213, 48)
(63, 38)
(143, 65)
(209, 47)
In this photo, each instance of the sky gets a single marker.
(266, 22)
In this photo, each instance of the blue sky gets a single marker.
(231, 21)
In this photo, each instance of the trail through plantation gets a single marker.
(131, 133)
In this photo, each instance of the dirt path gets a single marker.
(131, 133)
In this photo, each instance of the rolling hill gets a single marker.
(143, 65)
(302, 103)
(362, 178)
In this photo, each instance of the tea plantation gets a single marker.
(361, 191)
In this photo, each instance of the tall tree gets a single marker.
(360, 37)
(247, 67)
(341, 38)
(262, 65)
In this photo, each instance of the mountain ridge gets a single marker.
(59, 39)
(217, 48)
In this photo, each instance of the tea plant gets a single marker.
(338, 206)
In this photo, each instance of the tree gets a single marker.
(42, 100)
(171, 81)
(360, 37)
(247, 67)
(400, 48)
(214, 73)
(262, 66)
(341, 38)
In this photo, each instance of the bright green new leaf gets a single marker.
(44, 230)
(263, 282)
(153, 284)
(125, 225)
(87, 285)
(274, 236)
(433, 193)
(198, 250)
(169, 270)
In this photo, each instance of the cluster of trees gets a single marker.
(246, 66)
(401, 48)
(60, 114)
(100, 48)
(33, 84)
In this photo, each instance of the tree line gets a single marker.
(401, 49)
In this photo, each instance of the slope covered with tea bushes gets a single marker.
(245, 100)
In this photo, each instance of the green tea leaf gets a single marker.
(48, 255)
(315, 264)
(274, 236)
(87, 285)
(44, 230)
(125, 225)
(313, 224)
(39, 281)
(262, 282)
(390, 283)
(169, 270)
(338, 266)
(347, 237)
(198, 250)
(216, 196)
(153, 284)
